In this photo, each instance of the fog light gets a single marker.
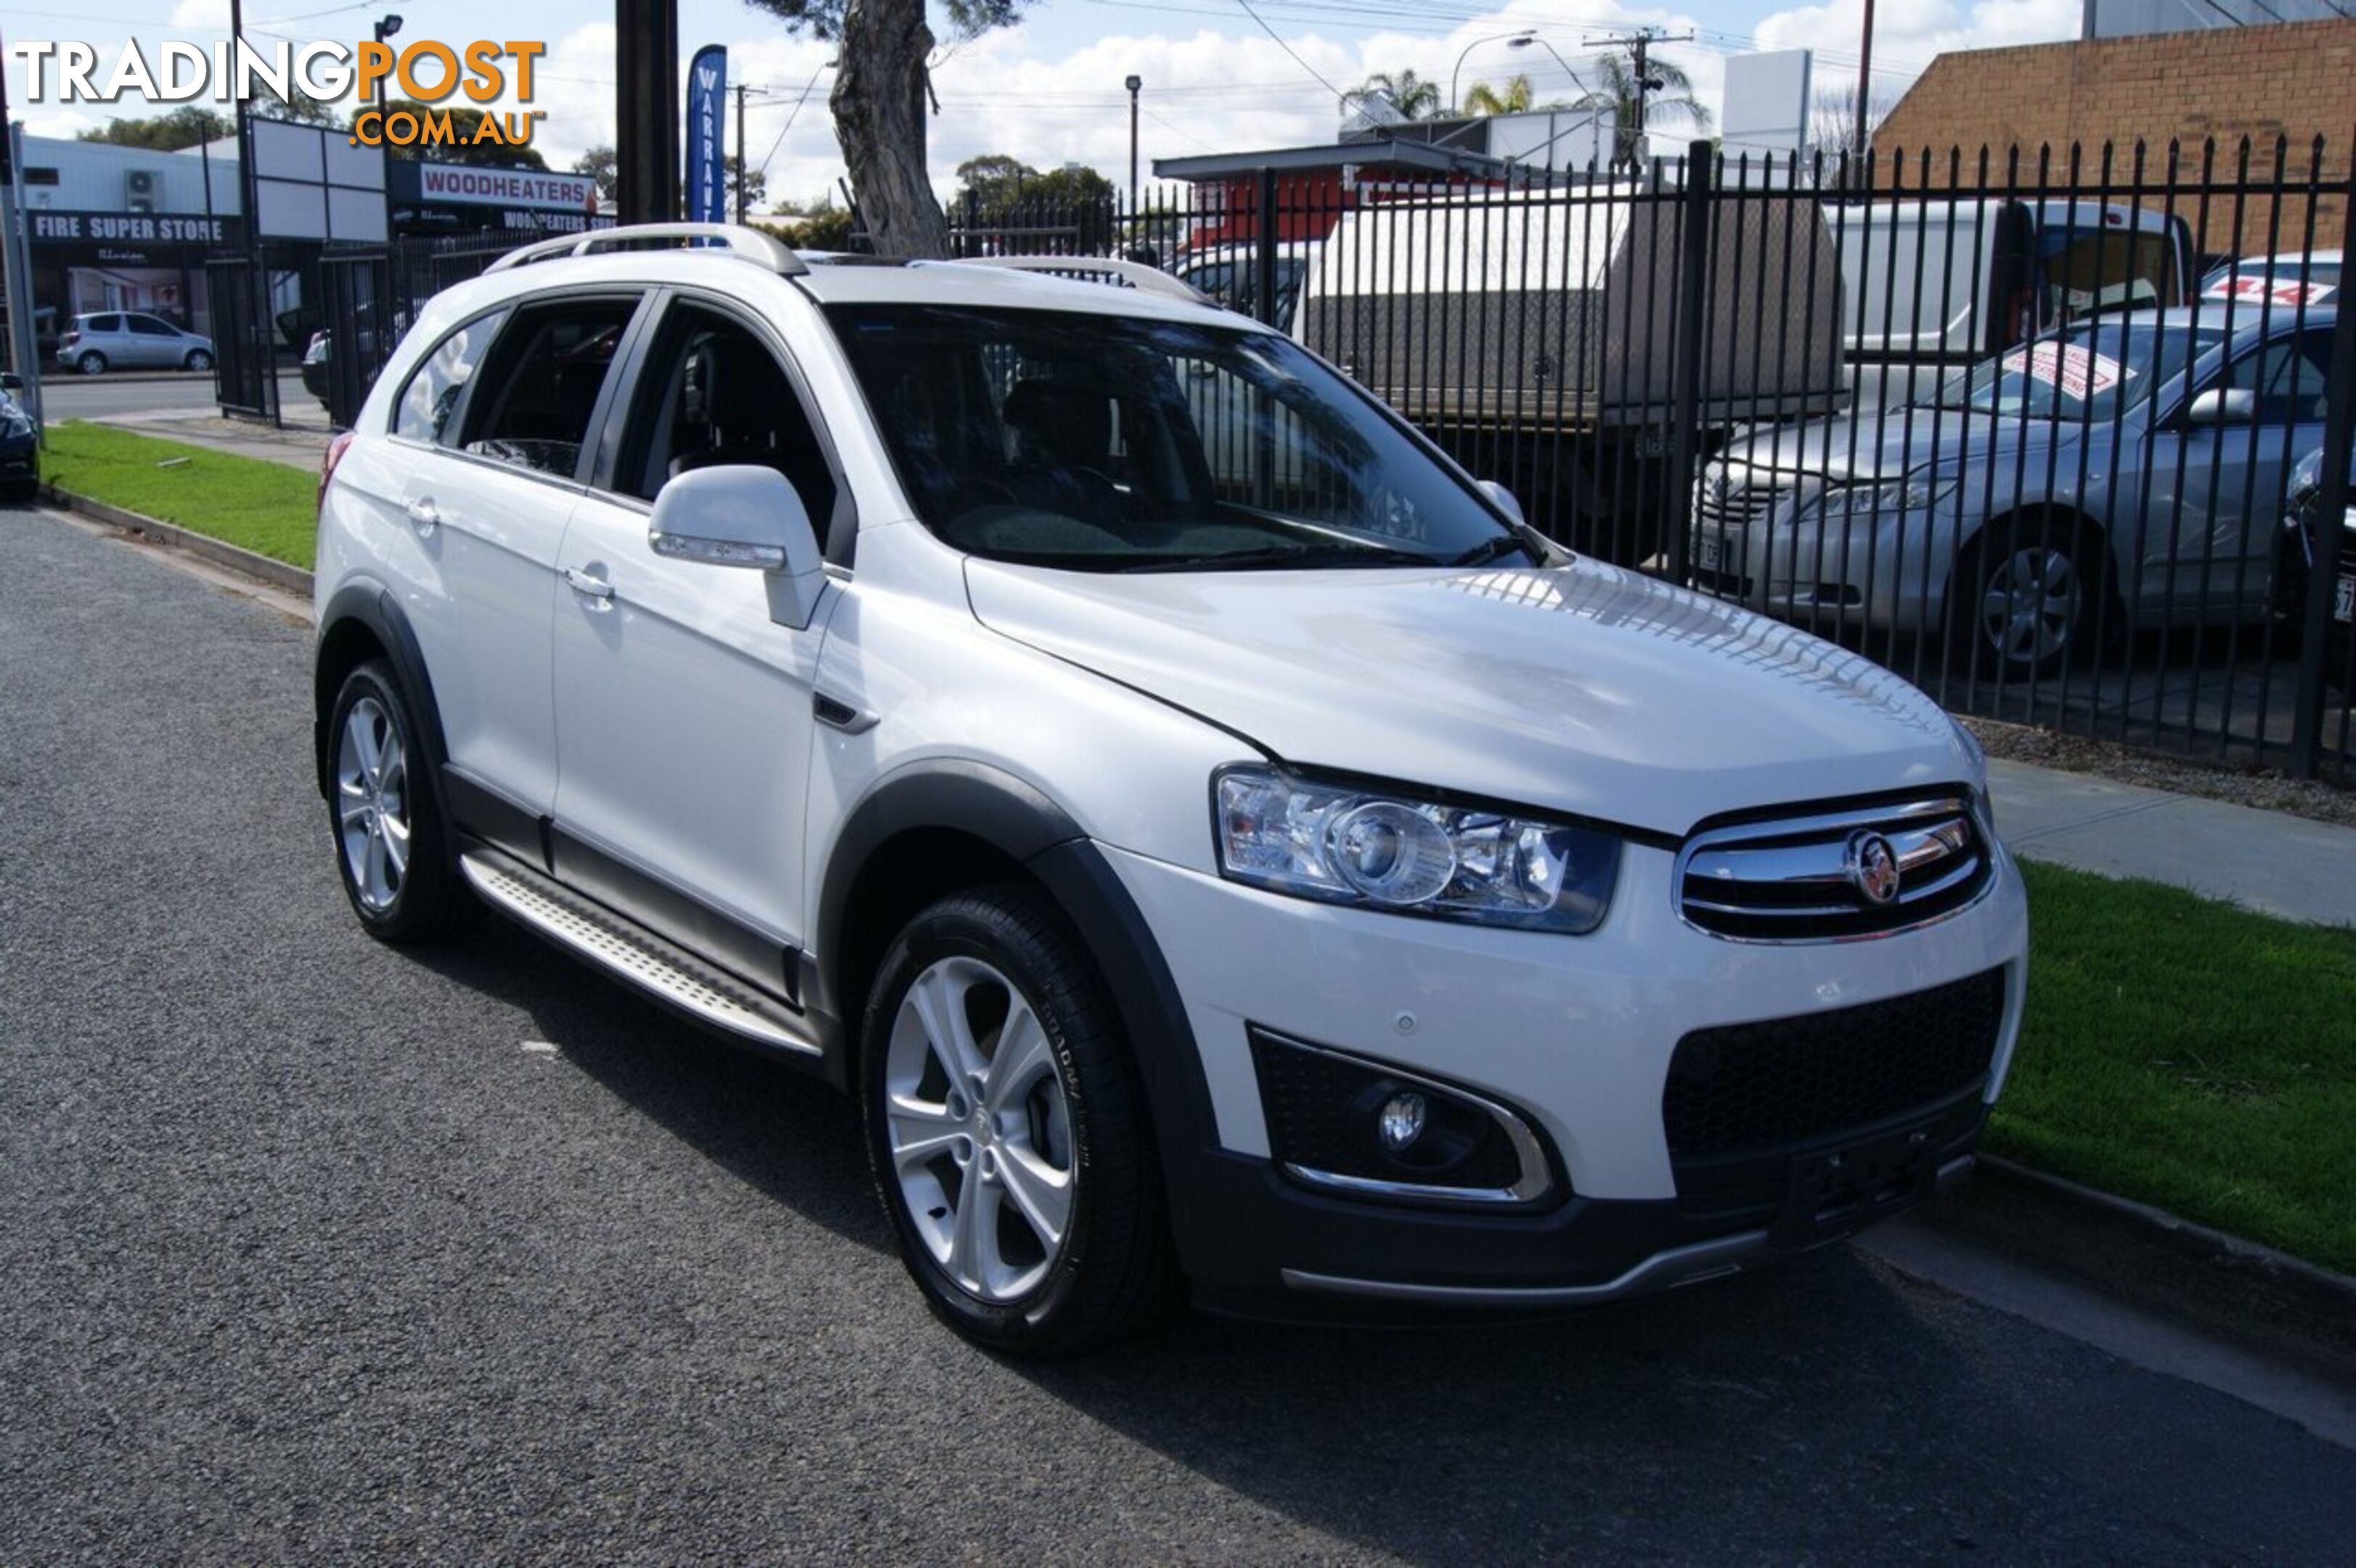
(1402, 1121)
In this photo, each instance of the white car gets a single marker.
(1325, 894)
(131, 340)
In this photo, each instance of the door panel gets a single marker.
(683, 714)
(488, 505)
(683, 722)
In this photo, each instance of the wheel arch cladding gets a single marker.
(362, 622)
(929, 830)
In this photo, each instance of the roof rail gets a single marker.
(750, 244)
(1102, 269)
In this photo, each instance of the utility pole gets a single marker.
(1638, 44)
(744, 175)
(16, 280)
(1865, 82)
(647, 111)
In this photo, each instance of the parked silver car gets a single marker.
(128, 340)
(2126, 472)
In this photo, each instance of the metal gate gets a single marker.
(245, 371)
(357, 319)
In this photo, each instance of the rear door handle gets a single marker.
(588, 584)
(423, 514)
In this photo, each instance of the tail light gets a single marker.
(328, 463)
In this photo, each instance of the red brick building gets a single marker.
(2297, 80)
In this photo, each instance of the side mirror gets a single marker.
(1503, 499)
(11, 382)
(741, 515)
(2222, 405)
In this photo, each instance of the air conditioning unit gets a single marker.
(139, 189)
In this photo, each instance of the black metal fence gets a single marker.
(2063, 438)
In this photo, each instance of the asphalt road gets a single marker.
(317, 1250)
(71, 397)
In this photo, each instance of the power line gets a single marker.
(1303, 64)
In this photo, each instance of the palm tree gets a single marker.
(1517, 96)
(1410, 94)
(1672, 96)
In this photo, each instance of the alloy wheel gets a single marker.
(978, 1127)
(372, 804)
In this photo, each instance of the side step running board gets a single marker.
(634, 954)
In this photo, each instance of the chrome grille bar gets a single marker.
(1809, 878)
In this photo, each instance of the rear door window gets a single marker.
(148, 327)
(430, 400)
(541, 382)
(105, 324)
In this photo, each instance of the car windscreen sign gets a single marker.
(2077, 370)
(2280, 291)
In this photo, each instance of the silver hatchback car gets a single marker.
(130, 339)
(2127, 472)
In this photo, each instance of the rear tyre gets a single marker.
(1007, 1131)
(197, 359)
(91, 363)
(2026, 598)
(390, 843)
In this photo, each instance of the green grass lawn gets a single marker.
(2192, 1055)
(268, 507)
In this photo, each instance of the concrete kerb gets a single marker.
(2217, 1284)
(277, 573)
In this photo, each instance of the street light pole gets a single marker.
(383, 29)
(1521, 39)
(1133, 84)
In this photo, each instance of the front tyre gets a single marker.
(197, 359)
(390, 842)
(1007, 1131)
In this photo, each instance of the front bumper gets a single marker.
(1576, 1034)
(1890, 572)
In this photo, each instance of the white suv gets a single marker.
(1273, 870)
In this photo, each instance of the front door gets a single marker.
(683, 714)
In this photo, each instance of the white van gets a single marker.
(1930, 286)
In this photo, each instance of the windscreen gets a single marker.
(2091, 371)
(1110, 444)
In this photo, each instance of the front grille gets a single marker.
(1813, 877)
(1786, 1083)
(1736, 505)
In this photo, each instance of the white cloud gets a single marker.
(208, 13)
(1908, 34)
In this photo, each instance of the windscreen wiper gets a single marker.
(1490, 550)
(1284, 555)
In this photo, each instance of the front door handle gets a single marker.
(588, 584)
(423, 514)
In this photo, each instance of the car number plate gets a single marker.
(1709, 551)
(1836, 1193)
(2343, 599)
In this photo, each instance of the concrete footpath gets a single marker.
(2265, 861)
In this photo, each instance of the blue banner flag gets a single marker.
(707, 173)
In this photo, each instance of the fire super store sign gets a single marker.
(530, 197)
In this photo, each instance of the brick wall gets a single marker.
(2297, 80)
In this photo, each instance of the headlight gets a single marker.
(14, 424)
(2306, 474)
(1914, 494)
(1346, 846)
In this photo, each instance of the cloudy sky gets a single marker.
(1220, 75)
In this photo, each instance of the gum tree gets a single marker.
(879, 101)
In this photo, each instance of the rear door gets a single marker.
(486, 503)
(2218, 556)
(683, 714)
